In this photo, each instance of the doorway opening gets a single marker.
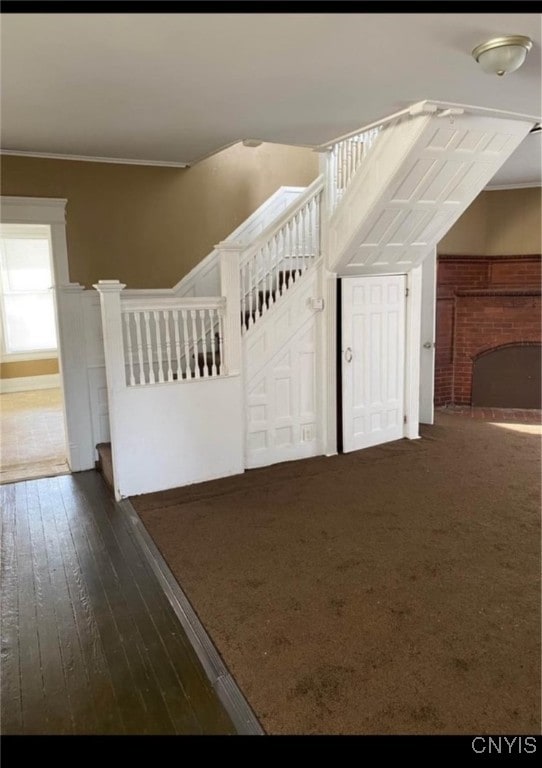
(32, 414)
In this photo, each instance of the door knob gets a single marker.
(429, 344)
(348, 354)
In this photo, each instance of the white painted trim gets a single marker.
(33, 210)
(28, 383)
(523, 185)
(412, 352)
(329, 363)
(22, 357)
(93, 159)
(328, 326)
(428, 335)
(70, 323)
(429, 106)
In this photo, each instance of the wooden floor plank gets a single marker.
(90, 643)
(11, 715)
(156, 677)
(181, 669)
(182, 657)
(35, 715)
(54, 681)
(108, 717)
(102, 589)
(80, 697)
(131, 618)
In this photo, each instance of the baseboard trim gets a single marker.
(229, 693)
(27, 383)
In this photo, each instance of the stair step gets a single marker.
(104, 464)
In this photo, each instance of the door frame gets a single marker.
(412, 351)
(428, 338)
(69, 322)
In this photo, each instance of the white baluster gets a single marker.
(169, 373)
(129, 346)
(213, 341)
(304, 237)
(317, 223)
(152, 378)
(223, 365)
(283, 260)
(255, 287)
(243, 298)
(274, 266)
(335, 184)
(204, 342)
(291, 249)
(251, 292)
(158, 346)
(269, 278)
(186, 345)
(311, 226)
(179, 371)
(295, 240)
(262, 285)
(358, 146)
(341, 169)
(139, 341)
(194, 344)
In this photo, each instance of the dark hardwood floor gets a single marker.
(90, 643)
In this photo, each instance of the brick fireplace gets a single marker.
(483, 304)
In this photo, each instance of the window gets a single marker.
(26, 280)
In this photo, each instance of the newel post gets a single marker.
(109, 291)
(230, 287)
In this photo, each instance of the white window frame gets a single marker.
(37, 354)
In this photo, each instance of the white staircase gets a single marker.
(223, 372)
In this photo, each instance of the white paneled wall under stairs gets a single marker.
(234, 367)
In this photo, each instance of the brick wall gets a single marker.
(482, 303)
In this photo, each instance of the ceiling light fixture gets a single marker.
(503, 54)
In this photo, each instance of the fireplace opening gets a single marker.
(508, 377)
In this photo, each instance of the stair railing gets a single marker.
(168, 340)
(345, 157)
(161, 340)
(280, 256)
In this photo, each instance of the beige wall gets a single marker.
(28, 368)
(149, 226)
(514, 222)
(500, 223)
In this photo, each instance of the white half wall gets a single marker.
(169, 435)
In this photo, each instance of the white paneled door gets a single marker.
(373, 360)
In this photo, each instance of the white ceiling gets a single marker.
(177, 87)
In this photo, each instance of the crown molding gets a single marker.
(91, 159)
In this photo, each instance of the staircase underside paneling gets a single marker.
(423, 174)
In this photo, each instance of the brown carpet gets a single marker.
(391, 590)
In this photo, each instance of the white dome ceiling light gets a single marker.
(503, 54)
